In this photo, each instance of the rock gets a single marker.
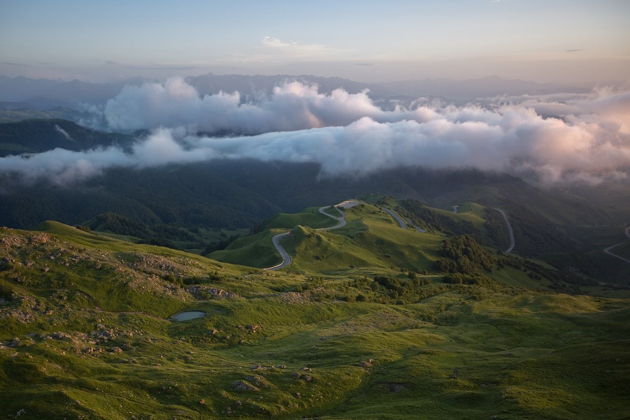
(206, 292)
(294, 298)
(394, 387)
(367, 363)
(257, 380)
(302, 376)
(243, 386)
(254, 328)
(60, 335)
(281, 366)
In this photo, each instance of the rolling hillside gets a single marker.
(86, 331)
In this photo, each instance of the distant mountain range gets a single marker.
(45, 93)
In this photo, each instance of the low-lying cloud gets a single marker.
(587, 139)
(291, 106)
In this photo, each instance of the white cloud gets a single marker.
(587, 141)
(276, 48)
(272, 42)
(292, 106)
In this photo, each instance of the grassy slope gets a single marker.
(308, 217)
(370, 239)
(257, 250)
(458, 352)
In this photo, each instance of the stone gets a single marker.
(394, 387)
(243, 386)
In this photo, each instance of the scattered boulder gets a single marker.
(367, 363)
(257, 380)
(60, 335)
(396, 387)
(294, 298)
(207, 292)
(253, 329)
(244, 386)
(302, 376)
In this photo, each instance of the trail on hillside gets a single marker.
(510, 231)
(341, 222)
(610, 248)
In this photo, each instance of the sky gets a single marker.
(366, 40)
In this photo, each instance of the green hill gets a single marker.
(351, 330)
(371, 239)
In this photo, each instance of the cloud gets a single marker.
(272, 42)
(291, 106)
(297, 50)
(586, 140)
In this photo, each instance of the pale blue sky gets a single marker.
(392, 39)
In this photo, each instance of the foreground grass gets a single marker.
(86, 334)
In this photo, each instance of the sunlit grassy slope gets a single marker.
(85, 332)
(371, 238)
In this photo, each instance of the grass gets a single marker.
(255, 251)
(300, 339)
(308, 217)
(370, 239)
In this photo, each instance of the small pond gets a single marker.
(188, 315)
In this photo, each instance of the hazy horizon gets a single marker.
(572, 42)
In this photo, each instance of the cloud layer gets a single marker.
(291, 106)
(587, 139)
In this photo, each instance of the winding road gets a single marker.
(510, 231)
(401, 222)
(610, 248)
(341, 222)
(286, 258)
